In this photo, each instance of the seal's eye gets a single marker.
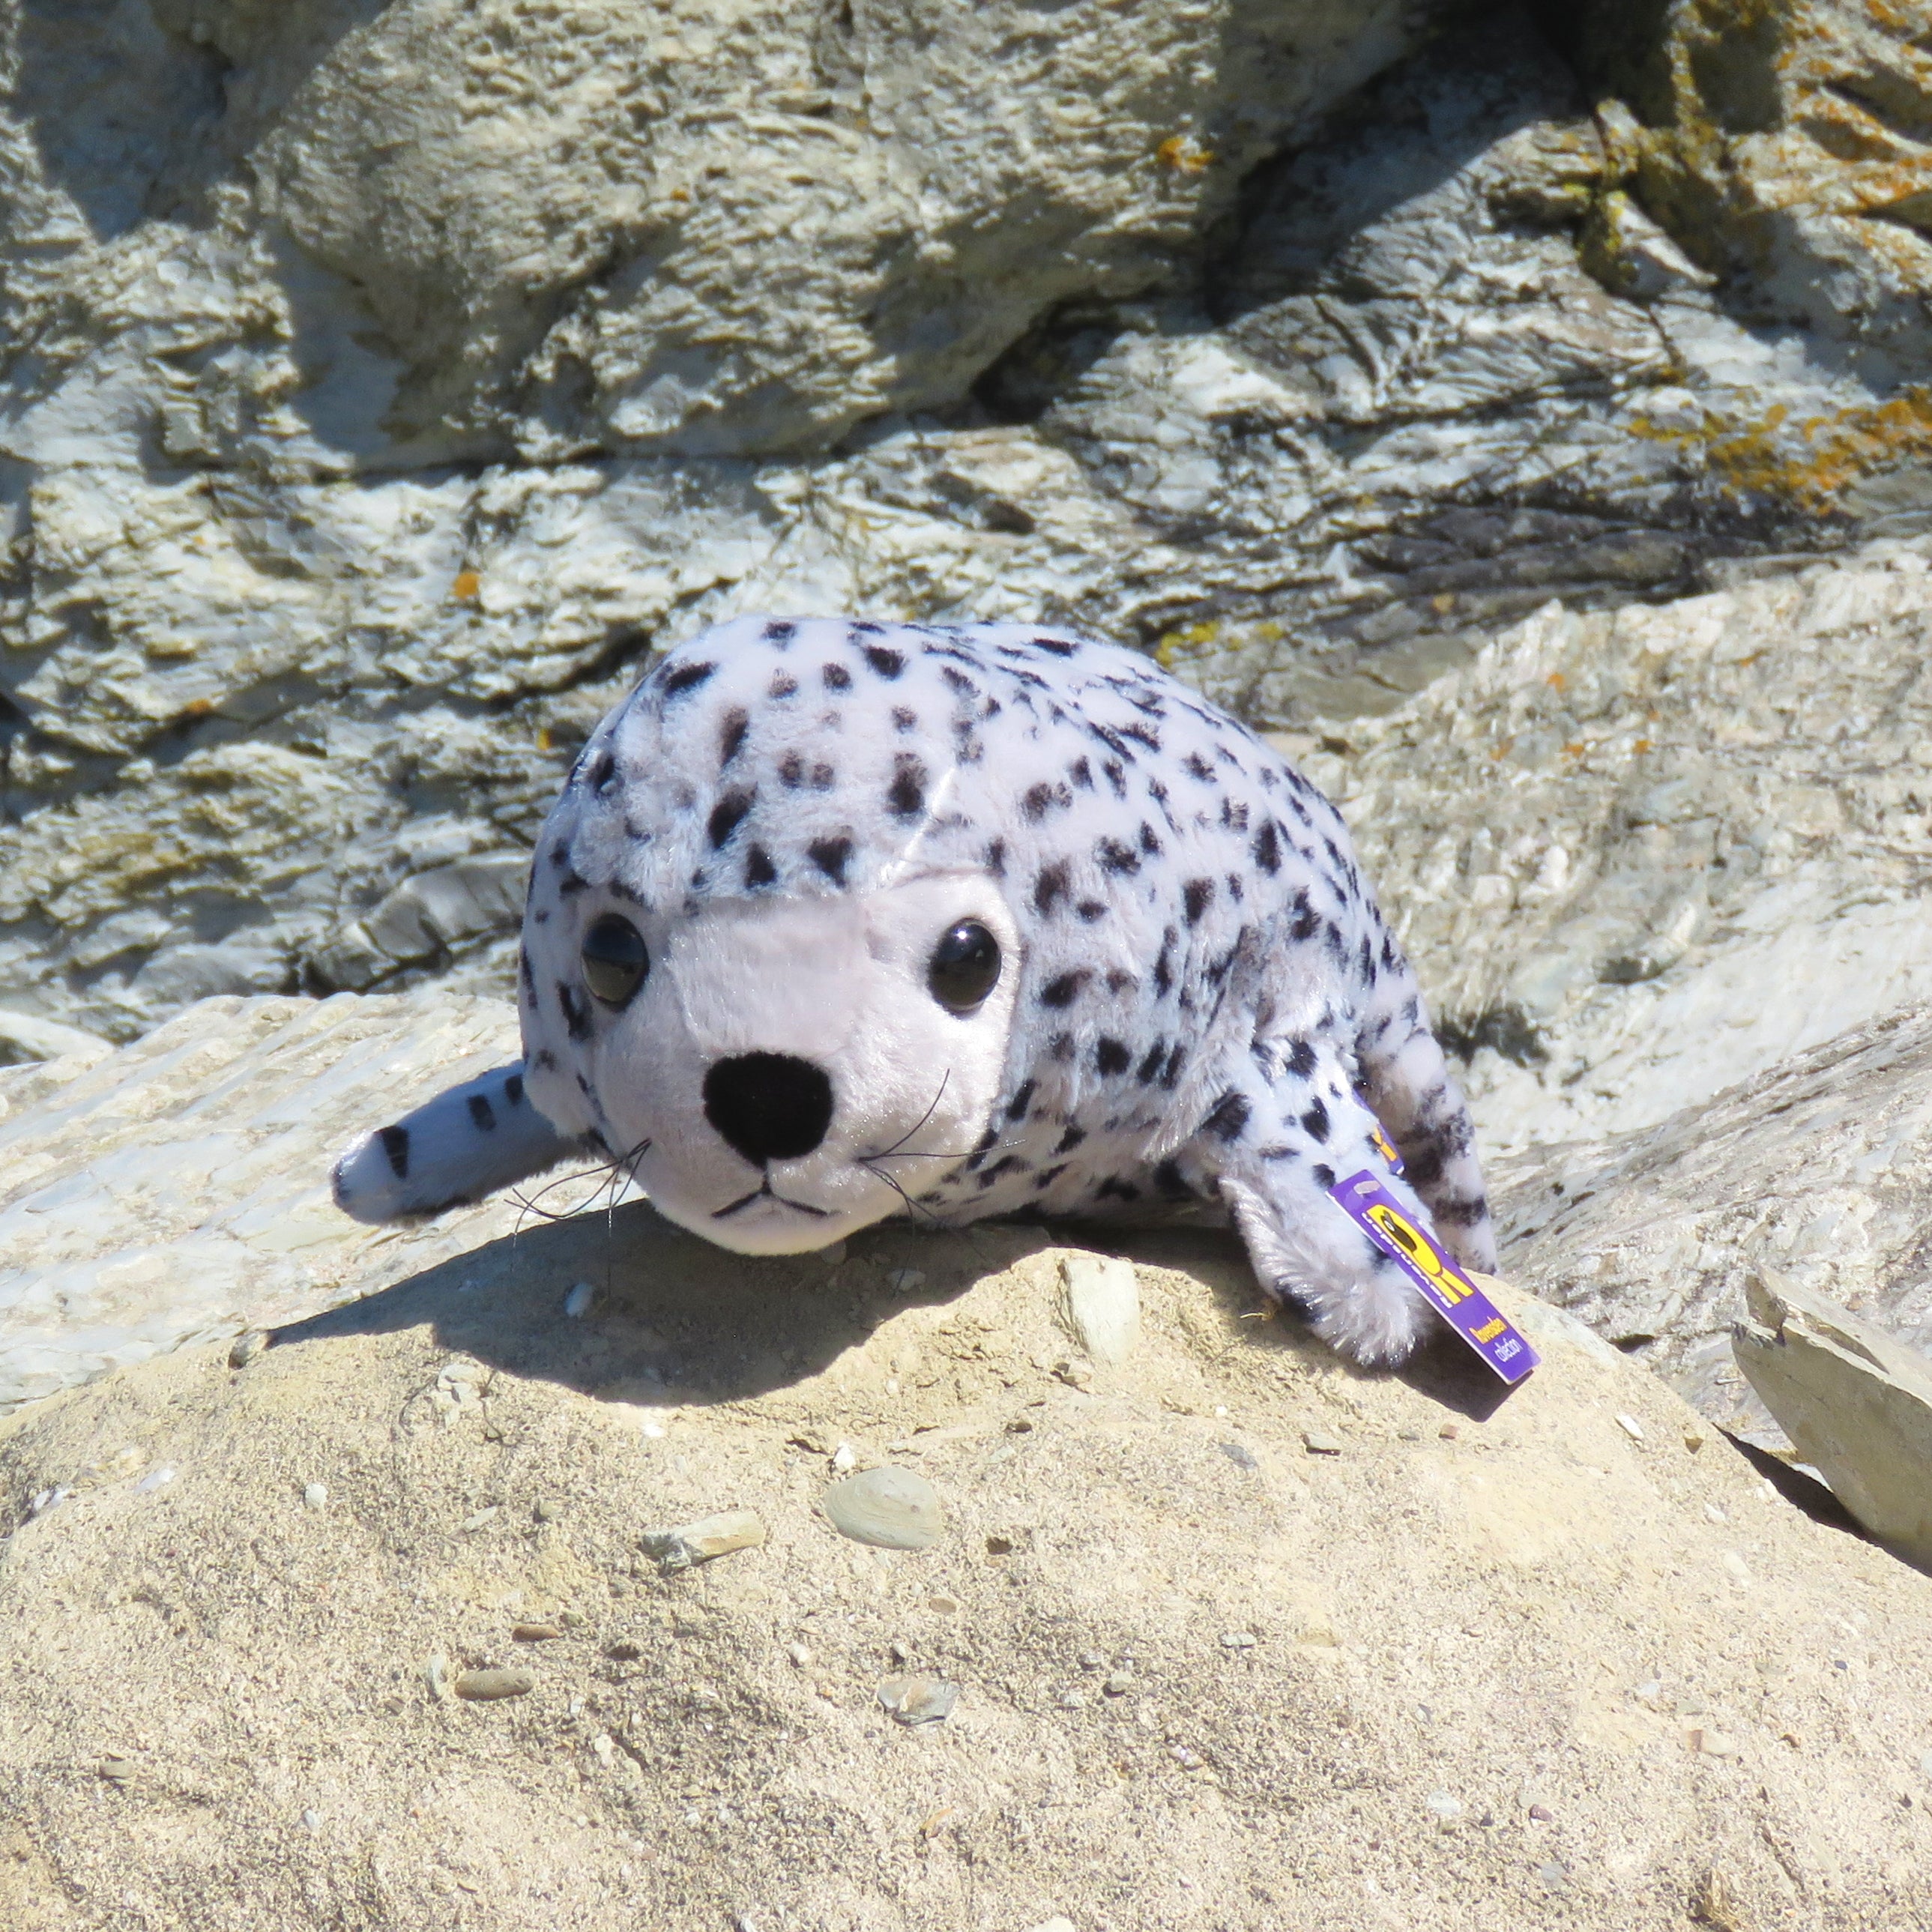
(964, 967)
(615, 961)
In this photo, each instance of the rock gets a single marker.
(483, 1687)
(26, 1037)
(919, 1700)
(107, 1164)
(1103, 1305)
(1857, 1403)
(1817, 1170)
(1111, 322)
(700, 1542)
(890, 1508)
(1319, 1442)
(1300, 1769)
(1638, 857)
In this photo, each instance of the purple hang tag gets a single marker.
(1460, 1302)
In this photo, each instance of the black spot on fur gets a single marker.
(887, 664)
(1316, 1120)
(1148, 1071)
(1163, 969)
(1059, 647)
(727, 815)
(1081, 773)
(1115, 857)
(1268, 847)
(1325, 1175)
(1038, 800)
(1150, 840)
(576, 1011)
(831, 856)
(1060, 1048)
(686, 677)
(780, 633)
(396, 1144)
(759, 870)
(906, 795)
(482, 1113)
(822, 777)
(1065, 990)
(1307, 920)
(1197, 766)
(904, 720)
(1196, 896)
(996, 858)
(1167, 1178)
(571, 882)
(603, 770)
(959, 681)
(1042, 1182)
(1049, 887)
(1229, 1120)
(1069, 1140)
(988, 1142)
(527, 973)
(513, 1089)
(836, 677)
(1110, 1057)
(1090, 910)
(544, 1058)
(1113, 1188)
(1301, 1058)
(783, 684)
(731, 733)
(1171, 1072)
(1016, 1107)
(791, 771)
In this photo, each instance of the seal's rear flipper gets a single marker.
(463, 1144)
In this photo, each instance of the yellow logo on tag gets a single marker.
(1489, 1331)
(1419, 1249)
(1384, 1146)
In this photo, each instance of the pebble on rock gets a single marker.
(919, 1700)
(576, 1303)
(316, 1496)
(1240, 1455)
(483, 1687)
(906, 1280)
(709, 1537)
(890, 1508)
(1318, 1443)
(1237, 1640)
(246, 1348)
(1630, 1427)
(535, 1633)
(1102, 1297)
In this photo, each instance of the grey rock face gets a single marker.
(274, 663)
(1820, 1172)
(362, 234)
(1641, 855)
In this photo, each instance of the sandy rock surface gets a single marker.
(1455, 1665)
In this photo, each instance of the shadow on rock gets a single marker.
(626, 1307)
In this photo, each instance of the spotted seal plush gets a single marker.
(837, 920)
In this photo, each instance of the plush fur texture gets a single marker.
(1197, 1000)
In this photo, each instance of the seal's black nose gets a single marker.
(768, 1106)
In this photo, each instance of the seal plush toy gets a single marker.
(836, 920)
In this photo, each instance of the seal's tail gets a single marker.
(1407, 1084)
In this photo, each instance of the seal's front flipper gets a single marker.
(465, 1143)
